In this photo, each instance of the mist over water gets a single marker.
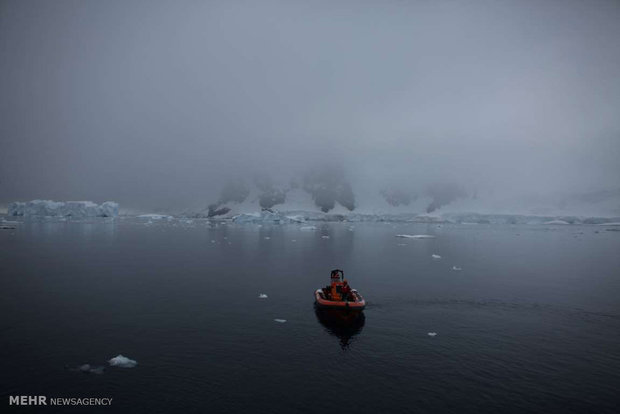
(157, 104)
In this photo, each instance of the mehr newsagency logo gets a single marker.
(43, 400)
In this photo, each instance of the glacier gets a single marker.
(72, 209)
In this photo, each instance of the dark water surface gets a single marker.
(530, 324)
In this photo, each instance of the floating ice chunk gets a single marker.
(156, 217)
(401, 244)
(307, 228)
(96, 370)
(325, 237)
(455, 268)
(262, 296)
(267, 237)
(5, 227)
(432, 334)
(293, 240)
(436, 256)
(88, 369)
(122, 362)
(556, 222)
(280, 320)
(609, 224)
(415, 236)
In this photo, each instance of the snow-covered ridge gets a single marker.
(73, 209)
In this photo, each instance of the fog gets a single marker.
(157, 104)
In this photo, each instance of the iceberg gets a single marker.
(73, 209)
(122, 362)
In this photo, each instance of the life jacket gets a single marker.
(335, 291)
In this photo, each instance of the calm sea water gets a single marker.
(530, 324)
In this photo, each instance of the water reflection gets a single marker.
(342, 324)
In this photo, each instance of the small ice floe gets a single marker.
(401, 244)
(602, 224)
(557, 222)
(293, 240)
(436, 256)
(415, 236)
(456, 268)
(212, 241)
(122, 362)
(431, 334)
(89, 369)
(262, 296)
(325, 237)
(267, 237)
(280, 320)
(155, 217)
(307, 228)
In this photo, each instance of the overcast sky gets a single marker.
(157, 102)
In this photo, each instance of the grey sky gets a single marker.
(155, 103)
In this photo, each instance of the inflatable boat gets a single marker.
(355, 301)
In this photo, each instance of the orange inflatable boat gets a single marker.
(339, 295)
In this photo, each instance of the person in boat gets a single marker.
(345, 290)
(336, 285)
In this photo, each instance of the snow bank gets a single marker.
(122, 362)
(74, 209)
